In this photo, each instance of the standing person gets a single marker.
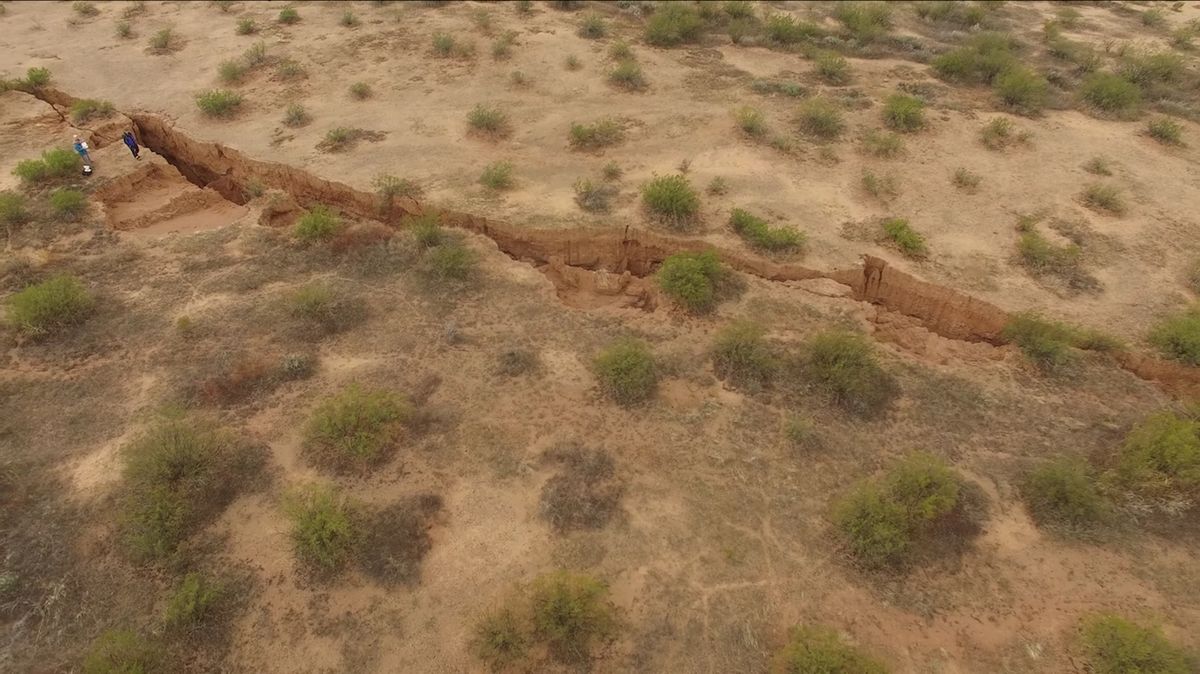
(82, 148)
(131, 143)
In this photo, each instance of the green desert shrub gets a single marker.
(864, 21)
(390, 187)
(985, 56)
(621, 51)
(1161, 456)
(821, 118)
(1063, 492)
(178, 475)
(1111, 93)
(1114, 645)
(193, 601)
(123, 651)
(355, 428)
(1165, 130)
(1022, 89)
(83, 8)
(592, 196)
(218, 102)
(360, 91)
(295, 115)
(785, 29)
(906, 239)
(1146, 68)
(1106, 198)
(162, 41)
(819, 650)
(231, 71)
(592, 27)
(500, 639)
(124, 30)
(572, 614)
(882, 187)
(86, 109)
(348, 19)
(497, 175)
(488, 120)
(692, 280)
(324, 528)
(674, 23)
(598, 134)
(13, 211)
(289, 15)
(671, 200)
(319, 223)
(882, 520)
(759, 234)
(844, 365)
(1042, 257)
(48, 307)
(54, 164)
(449, 262)
(904, 113)
(832, 67)
(750, 121)
(742, 356)
(36, 77)
(246, 26)
(738, 9)
(67, 204)
(628, 75)
(626, 372)
(1178, 336)
(1048, 344)
(966, 179)
(1000, 133)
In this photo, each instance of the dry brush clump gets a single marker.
(815, 649)
(845, 367)
(356, 429)
(627, 372)
(762, 236)
(1114, 645)
(742, 356)
(569, 615)
(1178, 336)
(49, 307)
(585, 492)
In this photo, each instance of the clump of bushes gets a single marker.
(882, 520)
(67, 204)
(592, 27)
(742, 357)
(178, 475)
(246, 26)
(672, 24)
(1046, 343)
(1043, 257)
(1022, 89)
(671, 200)
(1104, 198)
(751, 121)
(864, 21)
(985, 56)
(966, 179)
(48, 307)
(626, 372)
(1161, 456)
(844, 365)
(86, 109)
(1114, 645)
(218, 102)
(817, 650)
(360, 91)
(289, 15)
(759, 234)
(356, 428)
(449, 262)
(598, 134)
(13, 211)
(497, 175)
(904, 113)
(488, 120)
(594, 197)
(1178, 336)
(905, 238)
(832, 67)
(570, 613)
(821, 118)
(784, 29)
(1063, 493)
(882, 187)
(628, 75)
(883, 144)
(193, 601)
(319, 223)
(691, 280)
(1000, 133)
(121, 650)
(1166, 131)
(325, 529)
(163, 41)
(1111, 93)
(55, 164)
(390, 187)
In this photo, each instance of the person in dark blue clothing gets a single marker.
(131, 143)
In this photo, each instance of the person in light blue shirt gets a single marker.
(82, 148)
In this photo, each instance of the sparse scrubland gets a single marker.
(655, 336)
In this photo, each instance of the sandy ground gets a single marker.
(723, 541)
